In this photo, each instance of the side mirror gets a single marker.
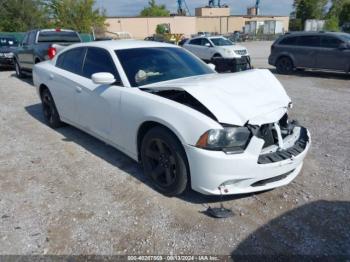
(208, 45)
(103, 78)
(212, 66)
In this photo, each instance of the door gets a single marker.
(331, 56)
(21, 50)
(27, 52)
(64, 81)
(306, 50)
(194, 46)
(207, 50)
(98, 105)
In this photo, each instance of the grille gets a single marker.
(241, 52)
(281, 155)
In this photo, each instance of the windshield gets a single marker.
(145, 66)
(58, 37)
(221, 41)
(8, 41)
(345, 37)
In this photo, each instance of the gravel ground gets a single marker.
(65, 192)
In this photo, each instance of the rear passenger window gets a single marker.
(197, 41)
(72, 60)
(289, 41)
(330, 42)
(99, 60)
(310, 40)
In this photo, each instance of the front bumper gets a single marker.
(4, 61)
(215, 172)
(232, 64)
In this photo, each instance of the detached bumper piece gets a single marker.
(232, 64)
(289, 153)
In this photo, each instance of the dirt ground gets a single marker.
(65, 192)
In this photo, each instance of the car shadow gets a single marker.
(27, 78)
(317, 74)
(119, 159)
(319, 231)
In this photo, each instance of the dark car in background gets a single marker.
(8, 44)
(40, 45)
(311, 50)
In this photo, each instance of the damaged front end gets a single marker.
(283, 140)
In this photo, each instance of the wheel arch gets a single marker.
(42, 87)
(148, 125)
(286, 55)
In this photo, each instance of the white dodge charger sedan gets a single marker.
(186, 124)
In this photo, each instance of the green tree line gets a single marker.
(23, 15)
(335, 12)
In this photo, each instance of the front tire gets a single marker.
(284, 65)
(50, 111)
(164, 161)
(18, 69)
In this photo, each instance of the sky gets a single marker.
(238, 7)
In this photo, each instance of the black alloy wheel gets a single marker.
(164, 161)
(49, 109)
(284, 65)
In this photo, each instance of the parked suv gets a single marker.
(41, 45)
(208, 48)
(224, 54)
(316, 50)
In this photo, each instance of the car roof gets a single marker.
(124, 44)
(313, 33)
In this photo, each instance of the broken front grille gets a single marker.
(285, 154)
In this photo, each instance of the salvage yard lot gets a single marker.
(65, 192)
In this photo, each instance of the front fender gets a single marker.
(139, 107)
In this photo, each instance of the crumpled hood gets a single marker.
(253, 96)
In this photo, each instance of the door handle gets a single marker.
(78, 89)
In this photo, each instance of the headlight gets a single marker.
(8, 55)
(228, 51)
(230, 139)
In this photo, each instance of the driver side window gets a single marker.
(98, 60)
(205, 42)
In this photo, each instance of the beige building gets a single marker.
(141, 27)
(209, 11)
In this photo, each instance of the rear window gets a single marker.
(330, 42)
(72, 60)
(289, 41)
(310, 40)
(58, 37)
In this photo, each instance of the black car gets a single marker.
(8, 44)
(315, 50)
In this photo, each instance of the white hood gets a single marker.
(254, 96)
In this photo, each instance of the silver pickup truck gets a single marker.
(41, 45)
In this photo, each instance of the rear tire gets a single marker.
(50, 111)
(18, 69)
(164, 161)
(284, 65)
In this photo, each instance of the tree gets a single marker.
(332, 24)
(79, 15)
(22, 15)
(344, 16)
(155, 10)
(310, 9)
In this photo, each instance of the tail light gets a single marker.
(51, 52)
